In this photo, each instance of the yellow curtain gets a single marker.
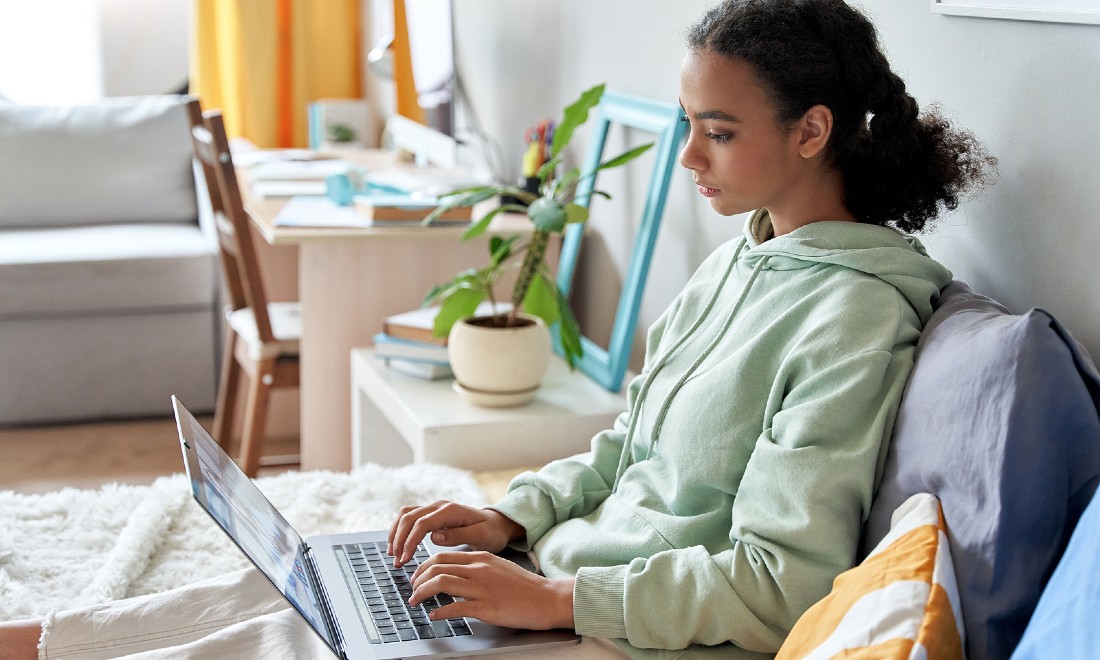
(262, 62)
(408, 104)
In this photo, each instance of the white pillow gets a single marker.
(902, 601)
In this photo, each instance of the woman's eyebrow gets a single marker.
(717, 114)
(713, 114)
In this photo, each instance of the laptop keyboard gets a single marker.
(384, 593)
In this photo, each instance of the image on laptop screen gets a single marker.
(239, 507)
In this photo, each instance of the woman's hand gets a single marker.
(450, 524)
(494, 590)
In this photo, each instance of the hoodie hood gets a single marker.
(895, 258)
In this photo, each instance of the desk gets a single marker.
(400, 419)
(348, 281)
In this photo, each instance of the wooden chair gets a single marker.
(261, 337)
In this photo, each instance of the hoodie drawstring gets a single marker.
(625, 457)
(660, 421)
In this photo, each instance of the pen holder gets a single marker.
(528, 183)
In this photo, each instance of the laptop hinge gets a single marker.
(326, 611)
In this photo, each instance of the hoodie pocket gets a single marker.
(611, 535)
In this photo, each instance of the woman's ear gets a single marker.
(814, 128)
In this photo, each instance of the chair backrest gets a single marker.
(240, 264)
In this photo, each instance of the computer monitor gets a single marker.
(430, 28)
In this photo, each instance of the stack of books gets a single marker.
(407, 343)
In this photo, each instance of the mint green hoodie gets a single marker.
(722, 504)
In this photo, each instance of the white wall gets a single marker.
(145, 46)
(1028, 90)
(78, 51)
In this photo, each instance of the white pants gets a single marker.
(239, 615)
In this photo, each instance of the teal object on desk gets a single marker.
(342, 189)
(607, 367)
(339, 189)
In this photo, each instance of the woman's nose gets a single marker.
(689, 156)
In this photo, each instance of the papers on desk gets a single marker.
(269, 189)
(424, 182)
(288, 178)
(322, 212)
(295, 170)
(319, 212)
(247, 155)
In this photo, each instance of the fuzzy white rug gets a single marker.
(80, 547)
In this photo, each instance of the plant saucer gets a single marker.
(494, 399)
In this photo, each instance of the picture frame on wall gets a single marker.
(1053, 11)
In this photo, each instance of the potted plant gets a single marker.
(493, 374)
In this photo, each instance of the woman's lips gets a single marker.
(707, 192)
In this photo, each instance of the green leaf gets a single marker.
(478, 228)
(567, 180)
(574, 115)
(569, 332)
(459, 305)
(501, 248)
(541, 300)
(621, 159)
(588, 198)
(547, 215)
(625, 157)
(547, 168)
(575, 213)
(435, 293)
(460, 198)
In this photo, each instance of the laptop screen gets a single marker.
(239, 508)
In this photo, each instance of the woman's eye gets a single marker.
(720, 137)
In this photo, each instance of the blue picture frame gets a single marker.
(608, 366)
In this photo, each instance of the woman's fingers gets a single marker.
(494, 590)
(395, 527)
(450, 523)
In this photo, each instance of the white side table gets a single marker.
(399, 419)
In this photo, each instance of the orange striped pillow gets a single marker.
(901, 602)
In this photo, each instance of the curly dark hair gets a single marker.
(901, 166)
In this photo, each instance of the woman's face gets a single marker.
(740, 157)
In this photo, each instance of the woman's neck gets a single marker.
(818, 199)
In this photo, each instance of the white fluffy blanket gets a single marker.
(80, 547)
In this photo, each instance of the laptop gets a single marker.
(343, 585)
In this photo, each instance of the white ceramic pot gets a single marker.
(496, 366)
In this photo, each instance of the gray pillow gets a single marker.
(122, 159)
(999, 420)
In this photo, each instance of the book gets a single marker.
(407, 209)
(425, 370)
(386, 346)
(417, 324)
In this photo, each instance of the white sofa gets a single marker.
(109, 281)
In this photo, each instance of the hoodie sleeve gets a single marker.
(576, 486)
(795, 522)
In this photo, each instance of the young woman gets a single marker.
(732, 492)
(724, 501)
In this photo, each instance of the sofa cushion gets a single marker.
(124, 159)
(1064, 623)
(107, 269)
(901, 598)
(999, 421)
